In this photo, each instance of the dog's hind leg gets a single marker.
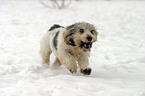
(45, 56)
(57, 63)
(45, 50)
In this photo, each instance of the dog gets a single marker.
(71, 45)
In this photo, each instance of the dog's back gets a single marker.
(55, 26)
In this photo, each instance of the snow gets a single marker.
(117, 59)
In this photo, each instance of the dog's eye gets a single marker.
(92, 31)
(82, 31)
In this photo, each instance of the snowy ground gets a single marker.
(117, 60)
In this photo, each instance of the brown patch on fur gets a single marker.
(68, 38)
(67, 35)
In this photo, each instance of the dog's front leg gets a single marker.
(69, 61)
(83, 63)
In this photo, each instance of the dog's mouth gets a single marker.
(86, 45)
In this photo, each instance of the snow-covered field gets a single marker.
(117, 60)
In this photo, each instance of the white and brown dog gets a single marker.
(70, 45)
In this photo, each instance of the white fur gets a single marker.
(66, 54)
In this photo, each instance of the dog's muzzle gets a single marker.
(86, 45)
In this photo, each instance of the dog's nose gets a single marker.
(89, 38)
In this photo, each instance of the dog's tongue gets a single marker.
(86, 45)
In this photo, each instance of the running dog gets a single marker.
(71, 45)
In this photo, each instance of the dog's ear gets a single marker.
(96, 33)
(68, 35)
(71, 28)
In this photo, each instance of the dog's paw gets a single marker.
(86, 71)
(72, 71)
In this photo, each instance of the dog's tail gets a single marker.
(55, 26)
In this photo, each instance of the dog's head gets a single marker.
(81, 34)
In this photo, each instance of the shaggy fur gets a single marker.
(71, 46)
